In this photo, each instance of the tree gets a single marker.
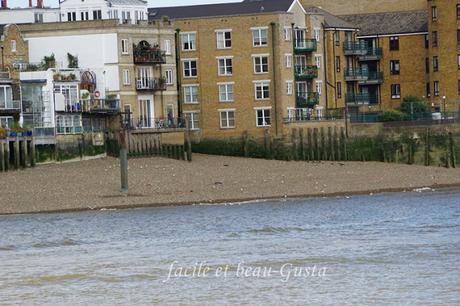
(415, 107)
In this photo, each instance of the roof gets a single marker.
(330, 21)
(128, 2)
(245, 7)
(389, 23)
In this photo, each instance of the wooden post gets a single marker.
(337, 144)
(25, 153)
(16, 153)
(344, 144)
(188, 140)
(331, 144)
(2, 156)
(315, 139)
(123, 161)
(267, 144)
(452, 150)
(294, 144)
(32, 152)
(7, 155)
(311, 152)
(302, 144)
(245, 144)
(427, 147)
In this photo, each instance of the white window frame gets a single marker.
(397, 94)
(229, 95)
(169, 76)
(317, 34)
(264, 117)
(167, 46)
(124, 46)
(318, 59)
(257, 41)
(221, 40)
(289, 88)
(186, 37)
(287, 33)
(260, 57)
(188, 92)
(227, 118)
(319, 87)
(126, 77)
(194, 117)
(228, 69)
(262, 84)
(189, 62)
(13, 45)
(288, 60)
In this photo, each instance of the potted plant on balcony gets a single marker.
(2, 133)
(57, 76)
(49, 62)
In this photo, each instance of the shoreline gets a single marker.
(433, 188)
(160, 182)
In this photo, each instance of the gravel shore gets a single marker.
(94, 184)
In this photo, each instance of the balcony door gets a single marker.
(143, 77)
(146, 113)
(301, 89)
(299, 38)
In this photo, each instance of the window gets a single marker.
(84, 15)
(428, 89)
(458, 11)
(338, 90)
(261, 64)
(188, 41)
(395, 91)
(169, 77)
(262, 90)
(434, 13)
(458, 36)
(394, 67)
(124, 46)
(287, 33)
(190, 69)
(259, 37)
(458, 87)
(224, 66)
(125, 16)
(6, 97)
(289, 88)
(13, 45)
(436, 88)
(317, 33)
(193, 119)
(226, 92)
(6, 122)
(71, 16)
(337, 38)
(288, 60)
(318, 61)
(167, 46)
(427, 65)
(227, 118)
(427, 41)
(319, 87)
(97, 15)
(263, 117)
(224, 39)
(435, 64)
(191, 94)
(458, 61)
(337, 63)
(68, 124)
(434, 39)
(126, 78)
(394, 43)
(38, 17)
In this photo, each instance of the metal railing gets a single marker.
(357, 98)
(354, 48)
(150, 84)
(152, 56)
(305, 45)
(356, 74)
(143, 122)
(409, 119)
(306, 72)
(306, 115)
(93, 106)
(5, 75)
(372, 54)
(307, 99)
(373, 77)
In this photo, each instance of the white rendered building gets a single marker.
(126, 11)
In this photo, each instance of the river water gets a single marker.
(401, 249)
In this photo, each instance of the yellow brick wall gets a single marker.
(447, 51)
(12, 32)
(345, 7)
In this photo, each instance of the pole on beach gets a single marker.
(123, 161)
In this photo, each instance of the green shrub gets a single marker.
(415, 107)
(392, 115)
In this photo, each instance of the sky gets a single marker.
(152, 3)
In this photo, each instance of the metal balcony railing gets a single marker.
(150, 84)
(372, 54)
(93, 106)
(146, 122)
(5, 75)
(10, 105)
(306, 45)
(373, 77)
(307, 99)
(356, 74)
(150, 56)
(306, 72)
(357, 99)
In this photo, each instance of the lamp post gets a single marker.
(444, 103)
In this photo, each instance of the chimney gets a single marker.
(4, 4)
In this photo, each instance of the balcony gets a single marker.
(354, 48)
(94, 106)
(5, 75)
(306, 72)
(144, 54)
(357, 99)
(306, 45)
(307, 99)
(146, 122)
(352, 75)
(10, 106)
(372, 54)
(373, 78)
(150, 84)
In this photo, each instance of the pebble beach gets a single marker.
(94, 184)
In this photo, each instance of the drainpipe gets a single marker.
(294, 85)
(334, 86)
(178, 81)
(273, 30)
(325, 67)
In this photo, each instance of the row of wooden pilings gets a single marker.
(17, 153)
